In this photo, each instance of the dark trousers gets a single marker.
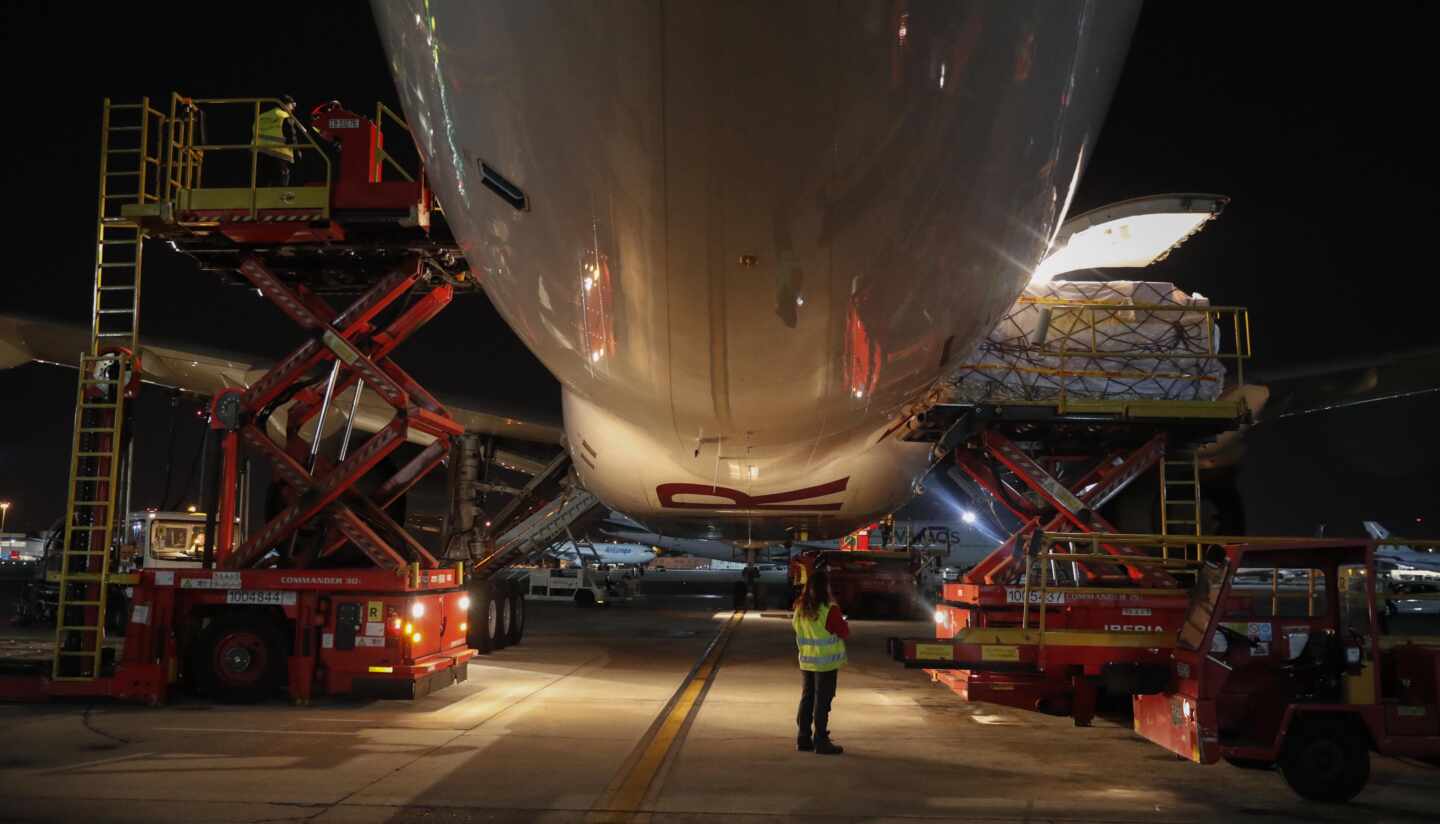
(273, 171)
(816, 693)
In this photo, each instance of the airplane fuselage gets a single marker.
(748, 238)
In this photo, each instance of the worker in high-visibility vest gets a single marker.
(820, 633)
(277, 133)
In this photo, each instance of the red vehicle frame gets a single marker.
(1350, 688)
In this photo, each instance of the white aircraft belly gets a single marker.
(756, 232)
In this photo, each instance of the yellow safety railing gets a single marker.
(183, 162)
(1041, 591)
(188, 146)
(1157, 551)
(384, 113)
(1165, 364)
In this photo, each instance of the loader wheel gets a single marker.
(1325, 761)
(239, 659)
(584, 598)
(500, 636)
(517, 617)
(482, 620)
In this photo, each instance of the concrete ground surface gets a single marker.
(578, 718)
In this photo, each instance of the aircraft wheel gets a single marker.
(1325, 761)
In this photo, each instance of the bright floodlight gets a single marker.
(967, 516)
(1131, 234)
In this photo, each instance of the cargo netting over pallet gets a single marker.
(1112, 340)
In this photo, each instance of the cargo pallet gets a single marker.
(1061, 608)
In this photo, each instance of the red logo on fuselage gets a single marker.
(735, 499)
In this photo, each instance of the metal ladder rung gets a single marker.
(98, 381)
(91, 477)
(130, 288)
(1182, 503)
(124, 128)
(92, 503)
(123, 173)
(78, 603)
(113, 335)
(128, 311)
(1185, 482)
(134, 151)
(99, 428)
(94, 454)
(87, 527)
(85, 578)
(1178, 521)
(86, 551)
(130, 242)
(80, 629)
(119, 264)
(99, 406)
(77, 653)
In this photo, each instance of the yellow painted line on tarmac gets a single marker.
(625, 794)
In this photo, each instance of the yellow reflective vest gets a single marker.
(270, 129)
(820, 650)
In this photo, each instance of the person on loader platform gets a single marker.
(820, 633)
(277, 133)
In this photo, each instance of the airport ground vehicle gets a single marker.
(583, 585)
(1085, 413)
(152, 539)
(1308, 683)
(331, 596)
(866, 583)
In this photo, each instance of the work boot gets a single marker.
(804, 743)
(824, 746)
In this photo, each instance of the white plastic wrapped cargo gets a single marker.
(1097, 340)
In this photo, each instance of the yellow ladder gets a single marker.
(133, 145)
(132, 173)
(90, 517)
(1180, 510)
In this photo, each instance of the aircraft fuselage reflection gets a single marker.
(756, 235)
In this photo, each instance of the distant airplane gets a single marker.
(1410, 565)
(964, 545)
(603, 552)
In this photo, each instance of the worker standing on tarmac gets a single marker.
(751, 575)
(820, 633)
(277, 132)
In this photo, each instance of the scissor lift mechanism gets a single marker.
(1109, 605)
(285, 607)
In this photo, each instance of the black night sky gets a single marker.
(1313, 121)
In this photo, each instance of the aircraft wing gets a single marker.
(1329, 386)
(27, 340)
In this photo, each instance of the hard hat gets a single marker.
(287, 100)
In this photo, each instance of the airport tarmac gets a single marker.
(666, 711)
